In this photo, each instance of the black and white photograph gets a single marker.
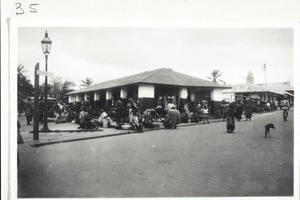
(147, 111)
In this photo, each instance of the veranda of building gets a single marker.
(150, 87)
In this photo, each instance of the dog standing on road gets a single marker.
(267, 130)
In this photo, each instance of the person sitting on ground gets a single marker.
(86, 121)
(148, 118)
(72, 115)
(172, 119)
(195, 117)
(135, 119)
(83, 119)
(170, 105)
(184, 117)
(104, 120)
(61, 117)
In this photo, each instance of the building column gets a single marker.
(146, 96)
(123, 93)
(96, 99)
(183, 94)
(109, 97)
(86, 96)
(96, 96)
(216, 96)
(78, 98)
(71, 98)
(192, 96)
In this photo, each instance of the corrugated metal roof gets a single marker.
(283, 86)
(252, 88)
(162, 76)
(244, 88)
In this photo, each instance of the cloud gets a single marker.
(108, 53)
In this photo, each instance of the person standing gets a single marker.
(41, 110)
(239, 110)
(119, 106)
(248, 110)
(230, 118)
(19, 140)
(205, 112)
(186, 108)
(222, 109)
(285, 108)
(29, 110)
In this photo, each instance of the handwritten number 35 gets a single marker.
(20, 10)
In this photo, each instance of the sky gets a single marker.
(104, 53)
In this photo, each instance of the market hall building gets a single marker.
(152, 89)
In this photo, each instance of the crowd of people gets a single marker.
(130, 112)
(82, 114)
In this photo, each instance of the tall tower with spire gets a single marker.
(250, 78)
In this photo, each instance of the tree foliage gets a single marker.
(59, 88)
(87, 82)
(25, 88)
(215, 77)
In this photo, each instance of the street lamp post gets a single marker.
(46, 45)
(264, 69)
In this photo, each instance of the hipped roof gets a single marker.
(163, 76)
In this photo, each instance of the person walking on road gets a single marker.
(285, 108)
(230, 118)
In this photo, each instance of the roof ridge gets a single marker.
(166, 76)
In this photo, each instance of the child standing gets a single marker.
(205, 114)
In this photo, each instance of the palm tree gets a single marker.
(215, 75)
(25, 88)
(87, 82)
(21, 70)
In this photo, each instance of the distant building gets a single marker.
(284, 88)
(273, 92)
(151, 89)
(281, 86)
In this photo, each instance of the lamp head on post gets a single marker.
(46, 44)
